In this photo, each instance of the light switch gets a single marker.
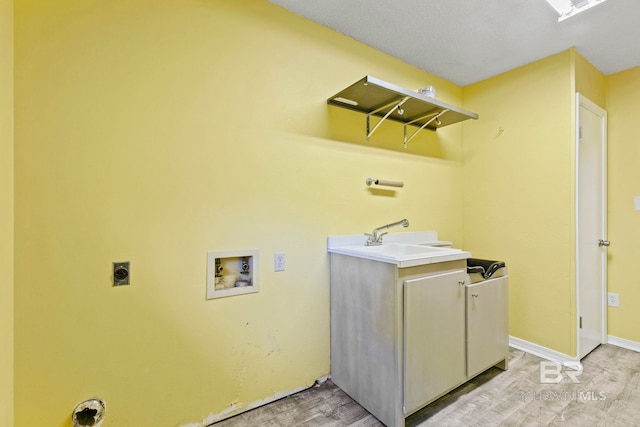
(636, 203)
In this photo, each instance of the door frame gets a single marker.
(582, 101)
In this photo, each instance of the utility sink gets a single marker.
(400, 250)
(402, 254)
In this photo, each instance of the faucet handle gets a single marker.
(374, 239)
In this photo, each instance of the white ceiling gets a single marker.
(466, 41)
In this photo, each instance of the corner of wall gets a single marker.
(6, 215)
(502, 217)
(623, 221)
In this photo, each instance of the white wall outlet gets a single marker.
(613, 299)
(636, 203)
(278, 261)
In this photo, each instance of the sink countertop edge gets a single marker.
(350, 244)
(408, 261)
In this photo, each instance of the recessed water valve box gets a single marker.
(232, 273)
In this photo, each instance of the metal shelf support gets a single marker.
(395, 106)
(436, 118)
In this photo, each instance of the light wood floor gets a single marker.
(608, 395)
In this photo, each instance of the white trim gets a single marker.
(540, 351)
(576, 198)
(621, 342)
(556, 356)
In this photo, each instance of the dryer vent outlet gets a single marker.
(89, 413)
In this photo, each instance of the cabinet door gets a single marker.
(434, 342)
(488, 325)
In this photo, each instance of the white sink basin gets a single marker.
(400, 250)
(402, 254)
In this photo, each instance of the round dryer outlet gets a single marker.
(121, 273)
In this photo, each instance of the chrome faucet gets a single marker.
(375, 239)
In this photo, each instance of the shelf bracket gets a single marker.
(435, 118)
(395, 105)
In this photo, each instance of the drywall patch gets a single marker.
(321, 380)
(237, 408)
(213, 418)
(272, 346)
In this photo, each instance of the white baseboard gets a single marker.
(541, 351)
(621, 342)
(556, 356)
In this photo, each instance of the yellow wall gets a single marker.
(518, 193)
(623, 107)
(153, 131)
(589, 81)
(6, 212)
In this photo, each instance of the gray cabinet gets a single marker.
(399, 335)
(434, 336)
(366, 335)
(487, 325)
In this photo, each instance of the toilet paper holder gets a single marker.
(375, 181)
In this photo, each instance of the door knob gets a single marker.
(603, 243)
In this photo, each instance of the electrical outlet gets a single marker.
(613, 299)
(278, 261)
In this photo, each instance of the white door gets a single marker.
(591, 146)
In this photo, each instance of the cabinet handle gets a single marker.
(475, 295)
(461, 282)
